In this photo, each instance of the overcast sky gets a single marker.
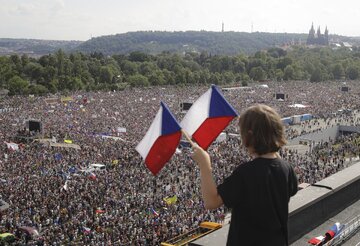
(83, 19)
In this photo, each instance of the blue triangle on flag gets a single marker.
(219, 106)
(169, 123)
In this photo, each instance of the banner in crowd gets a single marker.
(170, 200)
(12, 146)
(65, 145)
(66, 99)
(121, 129)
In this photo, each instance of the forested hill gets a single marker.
(34, 47)
(156, 42)
(217, 43)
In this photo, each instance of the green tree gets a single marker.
(228, 77)
(34, 71)
(215, 78)
(284, 62)
(37, 89)
(60, 59)
(138, 80)
(239, 67)
(17, 85)
(257, 74)
(316, 76)
(279, 75)
(156, 78)
(289, 73)
(129, 68)
(352, 72)
(17, 63)
(146, 68)
(138, 56)
(169, 76)
(7, 71)
(338, 71)
(24, 60)
(106, 75)
(75, 83)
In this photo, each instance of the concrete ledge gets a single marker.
(313, 205)
(310, 207)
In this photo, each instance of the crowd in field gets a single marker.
(53, 190)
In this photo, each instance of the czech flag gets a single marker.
(316, 240)
(334, 230)
(156, 214)
(160, 141)
(207, 117)
(86, 230)
(329, 235)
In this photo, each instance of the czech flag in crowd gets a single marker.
(207, 117)
(160, 141)
(154, 212)
(86, 230)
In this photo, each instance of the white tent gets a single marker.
(298, 106)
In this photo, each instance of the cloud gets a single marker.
(36, 7)
(57, 6)
(23, 9)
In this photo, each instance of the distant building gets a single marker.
(318, 38)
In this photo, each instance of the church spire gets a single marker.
(318, 33)
(311, 37)
(316, 38)
(326, 36)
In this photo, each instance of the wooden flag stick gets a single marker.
(188, 137)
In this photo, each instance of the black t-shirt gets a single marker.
(258, 193)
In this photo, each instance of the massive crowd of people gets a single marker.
(51, 188)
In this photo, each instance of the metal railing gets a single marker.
(350, 228)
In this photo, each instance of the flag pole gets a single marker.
(187, 137)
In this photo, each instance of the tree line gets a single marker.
(62, 72)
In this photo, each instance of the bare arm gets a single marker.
(212, 199)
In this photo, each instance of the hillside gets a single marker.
(215, 43)
(34, 47)
(225, 43)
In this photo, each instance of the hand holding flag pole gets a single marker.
(207, 117)
(205, 120)
(186, 135)
(200, 156)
